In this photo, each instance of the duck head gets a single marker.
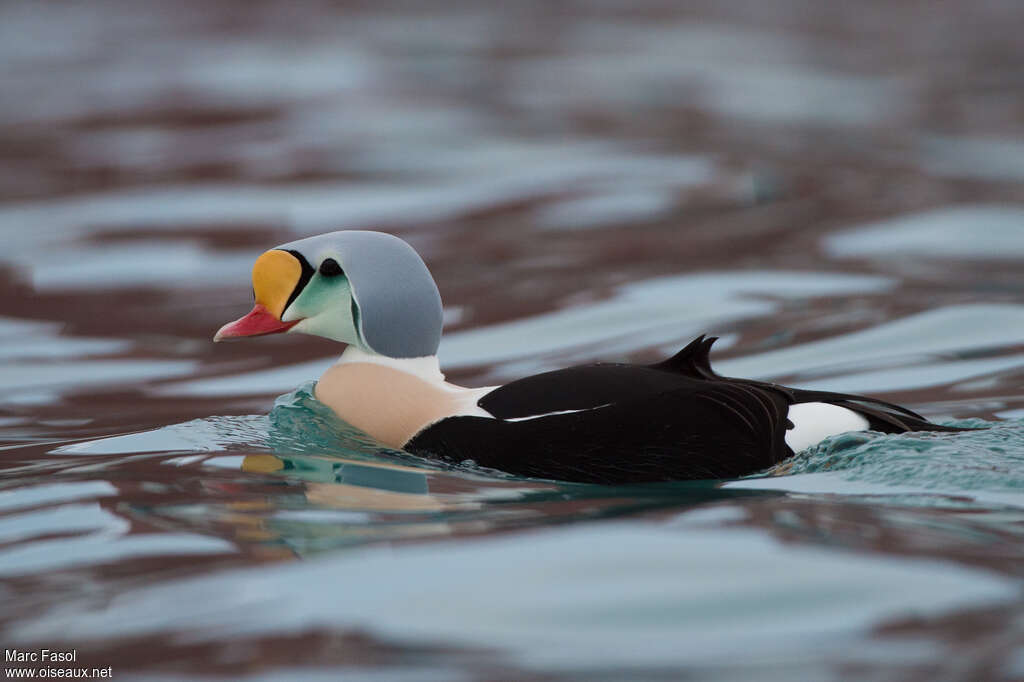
(366, 289)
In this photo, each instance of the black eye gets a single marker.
(330, 268)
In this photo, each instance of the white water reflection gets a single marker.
(154, 264)
(954, 232)
(54, 493)
(980, 157)
(35, 339)
(606, 210)
(915, 376)
(946, 330)
(60, 520)
(60, 377)
(37, 365)
(106, 546)
(260, 382)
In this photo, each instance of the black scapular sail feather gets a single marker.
(620, 423)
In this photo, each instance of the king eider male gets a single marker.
(599, 423)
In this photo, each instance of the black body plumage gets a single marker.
(620, 423)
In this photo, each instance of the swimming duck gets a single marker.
(598, 423)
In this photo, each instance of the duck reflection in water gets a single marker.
(350, 484)
(346, 502)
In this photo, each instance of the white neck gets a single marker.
(427, 367)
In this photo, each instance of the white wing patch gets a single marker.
(814, 422)
(549, 414)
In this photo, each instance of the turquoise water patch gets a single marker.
(990, 458)
(298, 424)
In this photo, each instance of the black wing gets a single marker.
(702, 431)
(580, 388)
(617, 423)
(590, 386)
